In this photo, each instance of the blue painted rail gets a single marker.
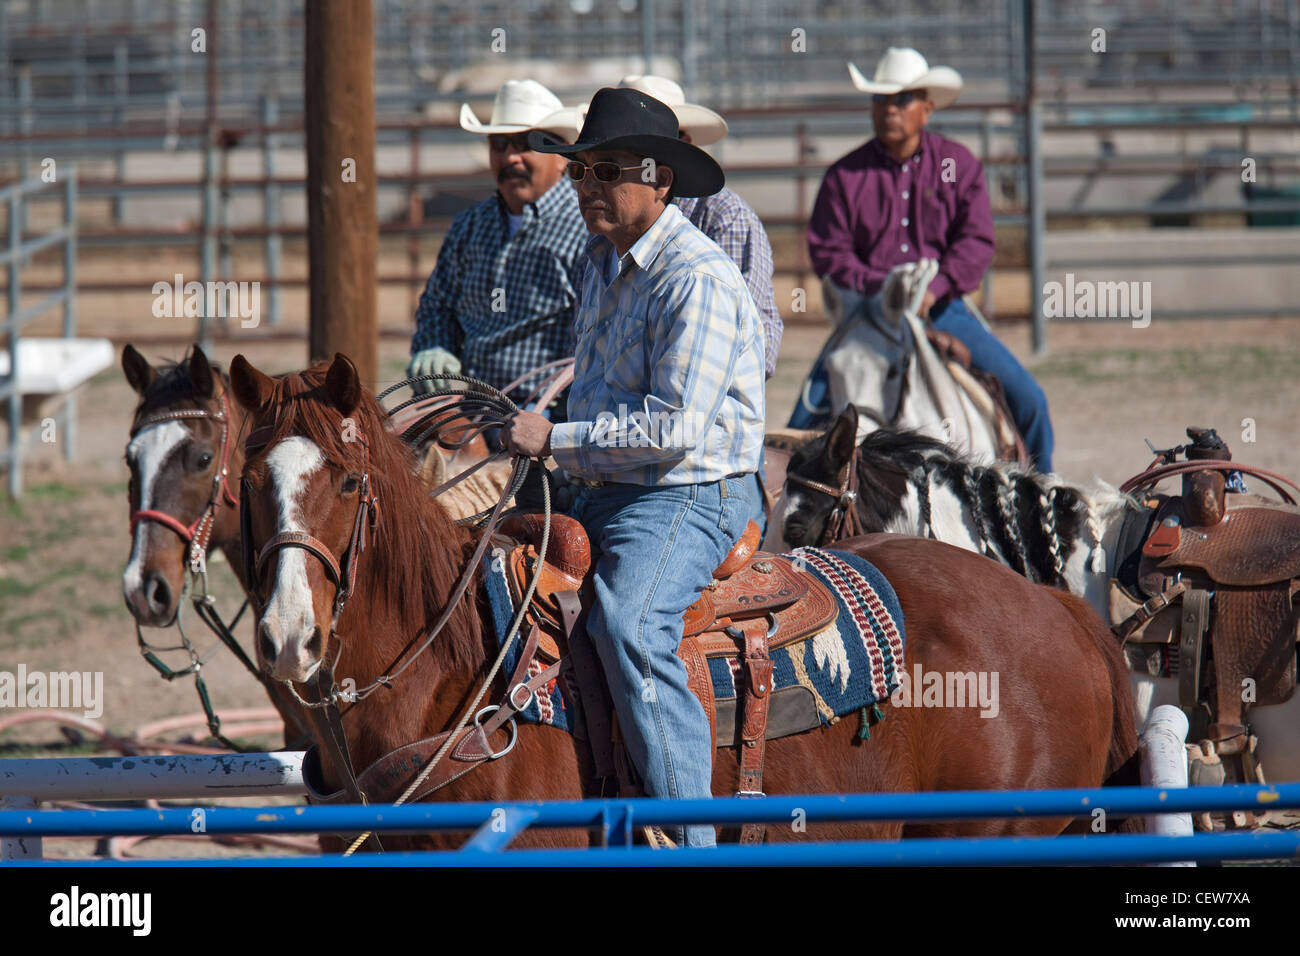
(496, 824)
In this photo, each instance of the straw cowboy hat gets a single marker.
(702, 124)
(522, 105)
(902, 68)
(627, 119)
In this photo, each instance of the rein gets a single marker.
(342, 573)
(844, 514)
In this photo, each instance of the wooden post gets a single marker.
(342, 230)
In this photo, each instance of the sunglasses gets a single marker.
(901, 100)
(515, 143)
(604, 172)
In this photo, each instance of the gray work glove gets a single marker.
(431, 362)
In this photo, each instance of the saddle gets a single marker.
(755, 603)
(1216, 569)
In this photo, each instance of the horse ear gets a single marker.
(139, 373)
(201, 373)
(843, 437)
(342, 384)
(253, 389)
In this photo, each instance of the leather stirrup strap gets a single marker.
(758, 673)
(1193, 628)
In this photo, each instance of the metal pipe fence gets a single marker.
(18, 253)
(124, 76)
(496, 825)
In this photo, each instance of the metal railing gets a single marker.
(496, 825)
(17, 253)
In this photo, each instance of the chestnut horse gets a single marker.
(324, 454)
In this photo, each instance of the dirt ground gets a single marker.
(64, 545)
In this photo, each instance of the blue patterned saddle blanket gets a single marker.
(852, 663)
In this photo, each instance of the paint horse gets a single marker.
(1150, 564)
(355, 569)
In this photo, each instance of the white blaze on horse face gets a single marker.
(290, 616)
(150, 450)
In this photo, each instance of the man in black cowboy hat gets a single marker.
(666, 421)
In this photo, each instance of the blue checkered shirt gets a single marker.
(505, 305)
(732, 223)
(668, 379)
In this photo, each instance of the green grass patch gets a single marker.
(1250, 364)
(54, 492)
(17, 552)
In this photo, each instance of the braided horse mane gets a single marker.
(1028, 520)
(1032, 522)
(416, 551)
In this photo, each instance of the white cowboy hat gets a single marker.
(520, 105)
(565, 123)
(902, 68)
(702, 124)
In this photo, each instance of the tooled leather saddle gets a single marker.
(1219, 573)
(756, 602)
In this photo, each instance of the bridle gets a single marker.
(197, 535)
(844, 513)
(342, 572)
(198, 532)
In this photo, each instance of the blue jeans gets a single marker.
(1025, 397)
(656, 550)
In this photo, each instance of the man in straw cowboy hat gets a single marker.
(730, 222)
(501, 297)
(910, 194)
(666, 421)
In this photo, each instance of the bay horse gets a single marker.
(1047, 529)
(326, 469)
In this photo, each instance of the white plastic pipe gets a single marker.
(1164, 764)
(183, 777)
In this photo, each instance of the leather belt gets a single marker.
(594, 483)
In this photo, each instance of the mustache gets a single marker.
(515, 172)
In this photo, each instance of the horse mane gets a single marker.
(1026, 513)
(409, 551)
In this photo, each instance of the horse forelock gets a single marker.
(415, 552)
(174, 388)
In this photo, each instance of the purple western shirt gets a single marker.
(874, 213)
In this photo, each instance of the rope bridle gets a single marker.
(844, 513)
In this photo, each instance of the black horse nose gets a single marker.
(158, 594)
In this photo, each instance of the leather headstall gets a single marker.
(199, 531)
(843, 515)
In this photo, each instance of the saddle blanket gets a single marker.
(852, 663)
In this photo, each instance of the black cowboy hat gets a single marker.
(627, 119)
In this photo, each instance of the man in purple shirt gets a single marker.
(910, 194)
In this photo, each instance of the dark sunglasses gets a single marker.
(901, 100)
(516, 143)
(604, 172)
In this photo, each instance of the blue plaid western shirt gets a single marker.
(732, 223)
(505, 305)
(668, 378)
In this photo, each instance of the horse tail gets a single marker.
(1121, 760)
